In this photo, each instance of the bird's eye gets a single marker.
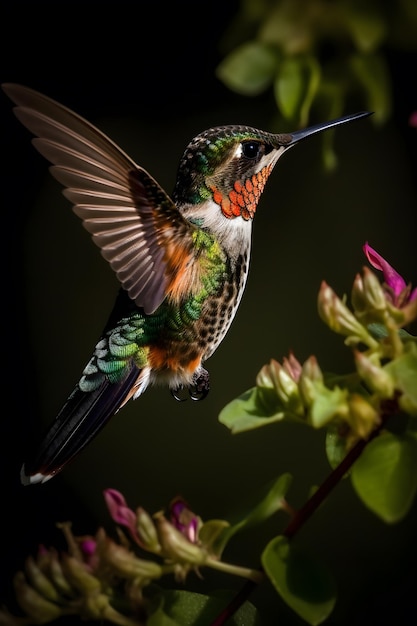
(250, 149)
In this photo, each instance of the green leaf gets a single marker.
(289, 27)
(209, 535)
(403, 369)
(304, 583)
(366, 23)
(249, 69)
(385, 476)
(185, 608)
(249, 411)
(335, 445)
(273, 501)
(327, 404)
(329, 104)
(295, 87)
(372, 73)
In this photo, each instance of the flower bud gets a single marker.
(399, 297)
(285, 385)
(39, 581)
(120, 512)
(96, 606)
(175, 546)
(57, 576)
(78, 576)
(358, 298)
(292, 366)
(324, 403)
(125, 564)
(184, 520)
(267, 375)
(146, 531)
(39, 609)
(363, 417)
(311, 374)
(339, 318)
(279, 378)
(374, 376)
(373, 292)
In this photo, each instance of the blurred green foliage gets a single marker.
(319, 54)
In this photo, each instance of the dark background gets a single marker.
(144, 74)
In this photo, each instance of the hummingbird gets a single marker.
(181, 260)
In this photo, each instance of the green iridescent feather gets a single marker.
(128, 341)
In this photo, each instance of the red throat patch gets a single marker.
(243, 199)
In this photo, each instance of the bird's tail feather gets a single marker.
(79, 421)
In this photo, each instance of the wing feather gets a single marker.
(127, 213)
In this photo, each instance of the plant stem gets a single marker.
(255, 575)
(306, 511)
(318, 497)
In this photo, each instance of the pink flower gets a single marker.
(396, 289)
(184, 520)
(88, 546)
(120, 512)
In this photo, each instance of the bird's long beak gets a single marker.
(318, 128)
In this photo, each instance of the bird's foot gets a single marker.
(198, 389)
(200, 385)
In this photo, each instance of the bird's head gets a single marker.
(231, 164)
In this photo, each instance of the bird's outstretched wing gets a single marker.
(125, 210)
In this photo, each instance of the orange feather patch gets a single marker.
(242, 200)
(178, 259)
(163, 359)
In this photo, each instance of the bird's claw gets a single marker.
(200, 387)
(197, 391)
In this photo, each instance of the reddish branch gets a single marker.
(306, 511)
